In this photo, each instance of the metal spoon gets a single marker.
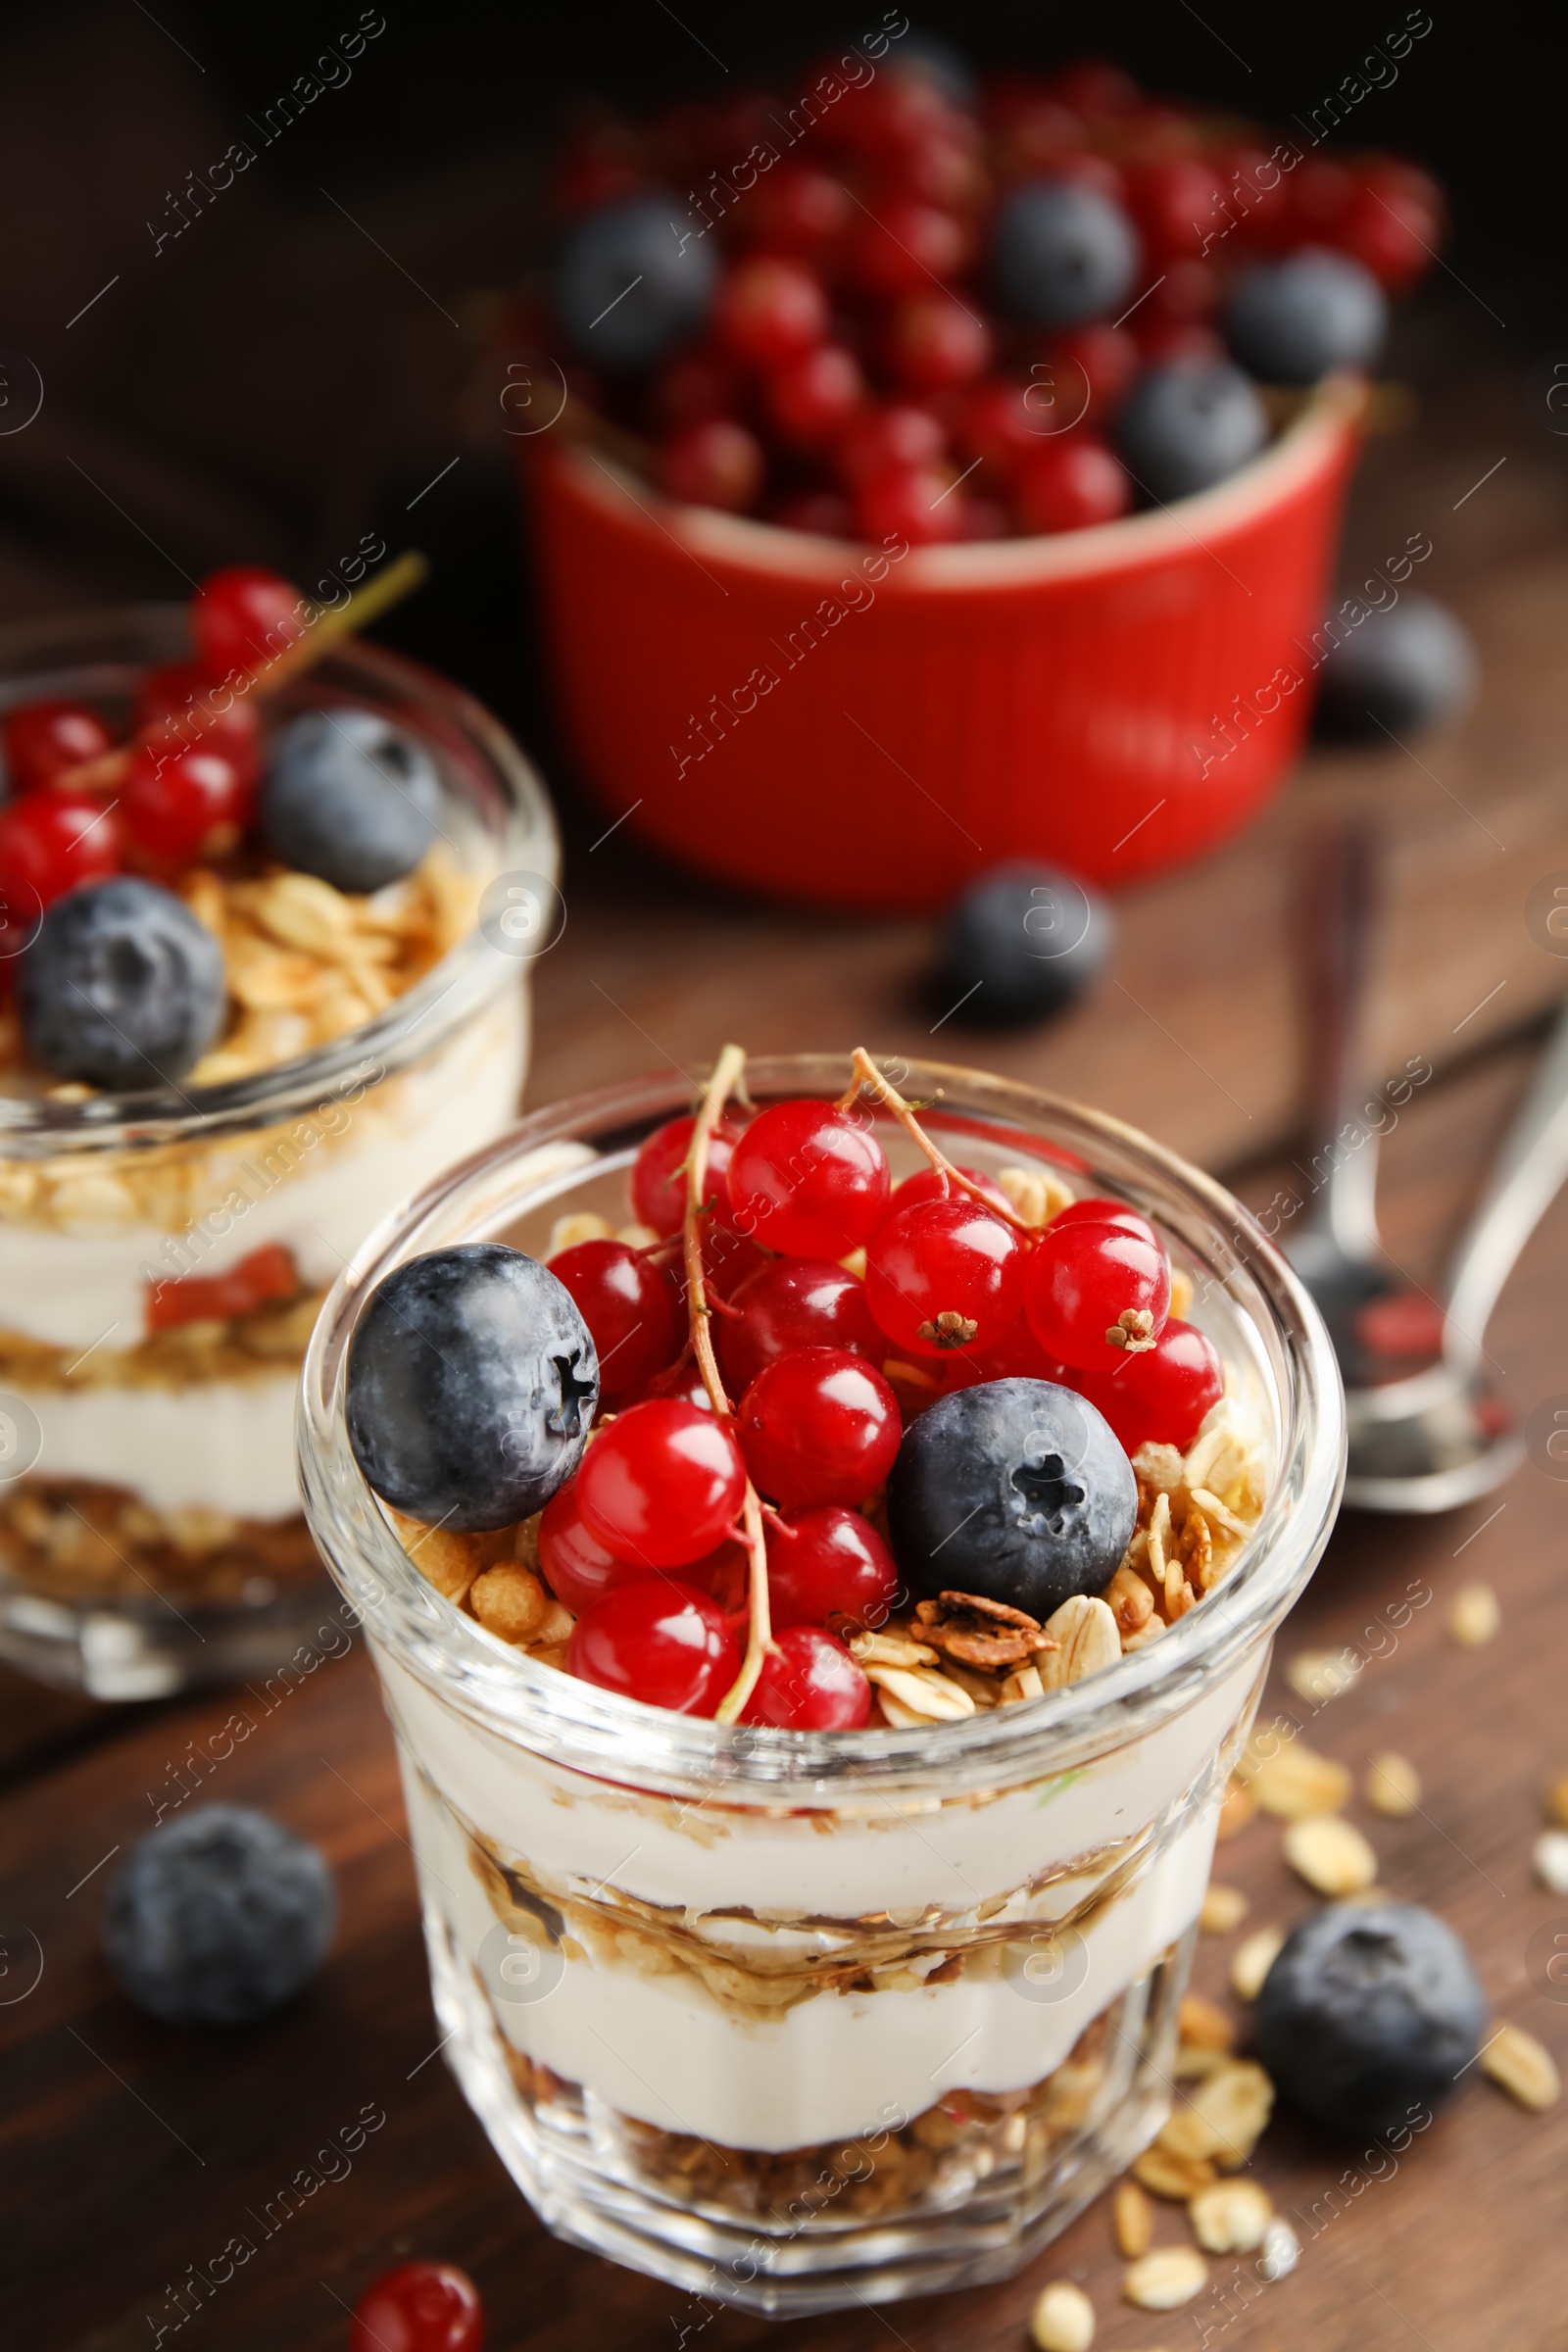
(1441, 1437)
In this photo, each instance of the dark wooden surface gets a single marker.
(136, 2151)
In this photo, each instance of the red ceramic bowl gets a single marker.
(812, 720)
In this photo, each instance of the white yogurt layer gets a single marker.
(659, 2048)
(87, 1283)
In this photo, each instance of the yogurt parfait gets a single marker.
(249, 998)
(821, 1547)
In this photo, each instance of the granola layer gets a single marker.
(73, 1540)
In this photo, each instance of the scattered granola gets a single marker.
(1393, 1785)
(1222, 2119)
(1062, 2318)
(1224, 1909)
(1204, 2025)
(1475, 1616)
(1238, 1807)
(1177, 2178)
(1166, 2278)
(1288, 1778)
(1231, 2216)
(1132, 2218)
(1320, 1674)
(1252, 1961)
(1522, 2067)
(1331, 1855)
(1554, 1798)
(1549, 1855)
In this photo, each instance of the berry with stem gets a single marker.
(819, 1426)
(55, 840)
(660, 1484)
(1097, 1294)
(180, 806)
(42, 740)
(244, 617)
(808, 1179)
(658, 1173)
(660, 1641)
(809, 1683)
(829, 1562)
(1163, 1393)
(631, 1308)
(794, 1302)
(943, 1274)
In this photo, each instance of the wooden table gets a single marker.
(136, 2152)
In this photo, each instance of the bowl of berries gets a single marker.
(249, 996)
(940, 475)
(820, 1549)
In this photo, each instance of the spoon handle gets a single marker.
(1335, 913)
(1525, 1179)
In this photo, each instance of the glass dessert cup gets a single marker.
(150, 1527)
(797, 2019)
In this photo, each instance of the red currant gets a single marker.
(903, 247)
(1084, 1281)
(934, 340)
(818, 1424)
(244, 617)
(696, 387)
(1163, 340)
(578, 1568)
(829, 1562)
(999, 427)
(811, 1685)
(879, 438)
(1176, 205)
(794, 209)
(929, 1184)
(631, 1308)
(1321, 196)
(794, 1302)
(810, 399)
(1101, 358)
(420, 2307)
(1095, 88)
(1095, 1211)
(660, 1484)
(1190, 289)
(770, 310)
(174, 702)
(1069, 483)
(1163, 1395)
(683, 1383)
(943, 1275)
(1017, 1355)
(54, 839)
(808, 1179)
(41, 740)
(658, 1173)
(659, 1640)
(917, 504)
(1393, 224)
(716, 463)
(181, 806)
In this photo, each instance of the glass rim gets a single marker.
(466, 977)
(577, 1724)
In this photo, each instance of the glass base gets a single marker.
(119, 1649)
(962, 2195)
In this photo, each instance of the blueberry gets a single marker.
(471, 1383)
(351, 798)
(1016, 1490)
(927, 57)
(1061, 253)
(1291, 321)
(635, 280)
(1189, 424)
(1398, 669)
(121, 988)
(1369, 2014)
(218, 1919)
(1021, 944)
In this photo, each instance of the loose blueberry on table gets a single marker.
(951, 1425)
(119, 854)
(984, 308)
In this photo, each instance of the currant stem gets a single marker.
(399, 579)
(728, 1072)
(866, 1073)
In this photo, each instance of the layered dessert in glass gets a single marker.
(809, 1910)
(348, 1020)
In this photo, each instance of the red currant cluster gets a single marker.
(643, 1543)
(854, 378)
(78, 808)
